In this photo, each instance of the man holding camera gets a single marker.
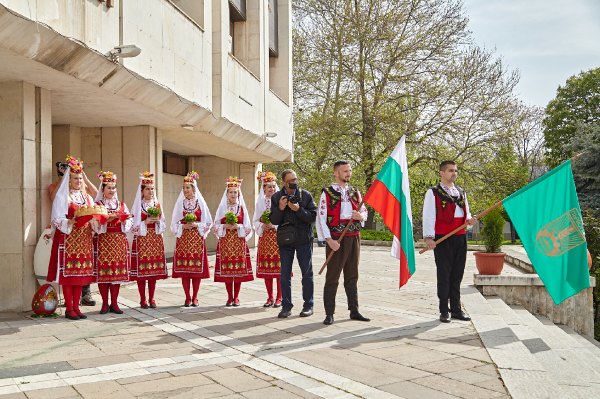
(339, 206)
(294, 211)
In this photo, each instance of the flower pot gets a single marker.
(489, 263)
(590, 262)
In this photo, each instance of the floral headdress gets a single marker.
(107, 177)
(191, 177)
(266, 177)
(147, 178)
(75, 164)
(234, 181)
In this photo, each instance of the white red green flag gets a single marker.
(389, 195)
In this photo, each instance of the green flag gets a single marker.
(547, 216)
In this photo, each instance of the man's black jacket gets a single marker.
(303, 219)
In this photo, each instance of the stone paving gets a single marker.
(247, 352)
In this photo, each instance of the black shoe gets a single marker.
(445, 317)
(285, 313)
(306, 312)
(71, 315)
(328, 320)
(87, 300)
(114, 309)
(354, 315)
(461, 316)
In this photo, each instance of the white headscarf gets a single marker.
(136, 209)
(206, 218)
(100, 192)
(60, 205)
(222, 209)
(261, 205)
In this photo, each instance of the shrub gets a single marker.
(492, 233)
(376, 235)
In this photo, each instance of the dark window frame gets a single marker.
(166, 169)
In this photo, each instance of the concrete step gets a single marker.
(567, 362)
(522, 373)
(590, 344)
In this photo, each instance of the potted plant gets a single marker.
(491, 261)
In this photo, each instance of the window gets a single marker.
(273, 29)
(175, 164)
(237, 17)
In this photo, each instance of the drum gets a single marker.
(41, 257)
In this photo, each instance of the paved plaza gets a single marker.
(247, 352)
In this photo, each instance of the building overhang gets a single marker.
(90, 90)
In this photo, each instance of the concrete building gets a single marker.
(211, 91)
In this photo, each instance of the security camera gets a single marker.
(127, 51)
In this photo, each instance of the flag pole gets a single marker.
(482, 214)
(456, 230)
(339, 240)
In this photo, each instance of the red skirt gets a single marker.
(190, 259)
(268, 264)
(233, 259)
(148, 256)
(72, 257)
(112, 259)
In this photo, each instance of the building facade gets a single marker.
(211, 91)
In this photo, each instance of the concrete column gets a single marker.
(25, 120)
(139, 154)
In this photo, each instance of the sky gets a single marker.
(547, 41)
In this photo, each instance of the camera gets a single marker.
(293, 199)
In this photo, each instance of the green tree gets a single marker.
(577, 102)
(368, 71)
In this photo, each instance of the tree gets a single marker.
(369, 71)
(577, 102)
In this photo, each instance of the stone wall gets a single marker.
(528, 290)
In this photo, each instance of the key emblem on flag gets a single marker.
(561, 235)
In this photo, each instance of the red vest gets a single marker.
(445, 206)
(334, 208)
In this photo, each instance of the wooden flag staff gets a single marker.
(482, 214)
(339, 240)
(456, 230)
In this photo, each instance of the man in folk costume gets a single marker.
(338, 206)
(190, 222)
(268, 265)
(446, 208)
(233, 228)
(148, 262)
(111, 246)
(71, 259)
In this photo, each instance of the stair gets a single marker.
(535, 358)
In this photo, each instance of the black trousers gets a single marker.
(450, 258)
(345, 259)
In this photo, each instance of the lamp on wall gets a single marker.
(270, 134)
(125, 51)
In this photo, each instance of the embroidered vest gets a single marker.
(334, 208)
(445, 206)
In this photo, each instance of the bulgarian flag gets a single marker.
(390, 196)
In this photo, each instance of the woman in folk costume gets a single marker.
(148, 262)
(112, 248)
(233, 228)
(191, 222)
(72, 257)
(268, 265)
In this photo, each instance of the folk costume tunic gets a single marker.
(72, 257)
(111, 247)
(268, 264)
(190, 259)
(147, 249)
(233, 256)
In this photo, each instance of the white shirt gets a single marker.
(323, 232)
(429, 210)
